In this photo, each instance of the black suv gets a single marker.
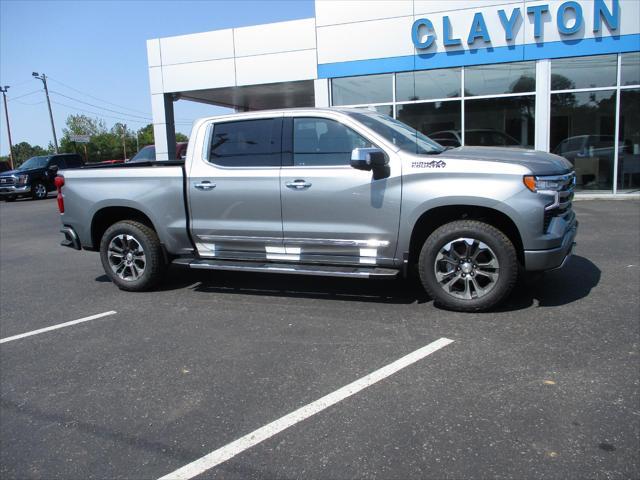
(34, 178)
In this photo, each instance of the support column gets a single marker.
(321, 88)
(543, 105)
(164, 129)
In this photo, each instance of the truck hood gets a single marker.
(540, 163)
(8, 173)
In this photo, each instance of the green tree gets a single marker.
(24, 151)
(181, 137)
(145, 135)
(83, 125)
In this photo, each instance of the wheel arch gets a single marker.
(107, 216)
(435, 217)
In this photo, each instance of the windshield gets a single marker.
(401, 135)
(34, 162)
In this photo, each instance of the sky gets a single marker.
(95, 52)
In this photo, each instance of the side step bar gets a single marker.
(292, 268)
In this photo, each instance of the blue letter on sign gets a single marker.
(446, 26)
(509, 23)
(537, 11)
(415, 33)
(478, 29)
(562, 24)
(600, 12)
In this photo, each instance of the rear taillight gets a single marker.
(59, 183)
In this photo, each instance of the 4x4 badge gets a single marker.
(431, 164)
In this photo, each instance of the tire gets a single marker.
(144, 267)
(468, 266)
(39, 191)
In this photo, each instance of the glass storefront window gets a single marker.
(630, 74)
(362, 90)
(582, 131)
(629, 144)
(500, 122)
(428, 84)
(438, 120)
(502, 78)
(584, 72)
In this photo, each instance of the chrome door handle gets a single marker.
(298, 184)
(206, 186)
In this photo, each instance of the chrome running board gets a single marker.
(292, 268)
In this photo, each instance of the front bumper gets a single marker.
(14, 190)
(540, 260)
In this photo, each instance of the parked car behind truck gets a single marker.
(336, 192)
(34, 178)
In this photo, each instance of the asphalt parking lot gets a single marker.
(545, 387)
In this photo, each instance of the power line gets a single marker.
(25, 95)
(96, 98)
(131, 115)
(74, 108)
(145, 114)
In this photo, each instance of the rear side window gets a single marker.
(73, 161)
(247, 143)
(58, 162)
(323, 142)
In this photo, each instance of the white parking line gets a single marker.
(55, 327)
(240, 445)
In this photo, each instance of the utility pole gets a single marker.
(6, 113)
(124, 140)
(43, 77)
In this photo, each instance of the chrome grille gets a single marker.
(7, 181)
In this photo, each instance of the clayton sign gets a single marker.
(423, 32)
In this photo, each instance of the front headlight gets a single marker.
(549, 184)
(23, 179)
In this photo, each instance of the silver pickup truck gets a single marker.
(337, 192)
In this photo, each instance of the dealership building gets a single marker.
(557, 76)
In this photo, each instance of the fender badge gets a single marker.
(431, 164)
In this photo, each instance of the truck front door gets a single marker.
(233, 189)
(331, 212)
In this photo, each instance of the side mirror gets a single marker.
(368, 159)
(53, 169)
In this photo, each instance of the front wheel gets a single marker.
(39, 191)
(131, 256)
(468, 265)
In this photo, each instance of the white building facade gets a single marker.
(558, 76)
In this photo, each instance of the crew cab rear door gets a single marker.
(331, 212)
(233, 188)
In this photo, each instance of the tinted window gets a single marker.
(583, 72)
(432, 117)
(630, 74)
(500, 121)
(362, 90)
(249, 143)
(58, 162)
(502, 78)
(319, 141)
(147, 154)
(429, 84)
(73, 161)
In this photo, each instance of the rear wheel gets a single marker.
(468, 265)
(131, 256)
(39, 191)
